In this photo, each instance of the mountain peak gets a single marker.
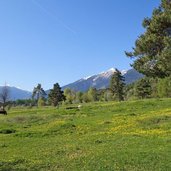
(111, 70)
(102, 80)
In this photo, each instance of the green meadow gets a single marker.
(119, 136)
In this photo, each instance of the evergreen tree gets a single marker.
(152, 50)
(143, 88)
(56, 95)
(117, 86)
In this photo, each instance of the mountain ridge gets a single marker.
(102, 80)
(98, 81)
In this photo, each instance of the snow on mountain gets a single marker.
(99, 81)
(102, 80)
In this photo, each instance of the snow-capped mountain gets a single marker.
(17, 93)
(99, 81)
(102, 80)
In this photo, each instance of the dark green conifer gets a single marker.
(143, 88)
(152, 52)
(56, 95)
(117, 86)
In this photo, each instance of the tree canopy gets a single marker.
(56, 95)
(152, 51)
(38, 91)
(117, 86)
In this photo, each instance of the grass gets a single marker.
(126, 136)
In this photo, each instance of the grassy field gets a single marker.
(124, 136)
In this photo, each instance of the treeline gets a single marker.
(149, 88)
(117, 91)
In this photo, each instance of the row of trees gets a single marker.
(149, 88)
(117, 91)
(54, 96)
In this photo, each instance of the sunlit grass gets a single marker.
(133, 135)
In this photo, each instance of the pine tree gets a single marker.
(152, 52)
(56, 95)
(143, 88)
(117, 86)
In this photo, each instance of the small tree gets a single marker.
(143, 88)
(85, 98)
(92, 94)
(164, 87)
(4, 96)
(38, 92)
(108, 95)
(41, 102)
(70, 95)
(79, 97)
(117, 86)
(56, 95)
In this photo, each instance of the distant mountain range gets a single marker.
(102, 80)
(99, 81)
(17, 93)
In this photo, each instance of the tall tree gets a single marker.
(38, 92)
(117, 85)
(56, 95)
(4, 96)
(152, 52)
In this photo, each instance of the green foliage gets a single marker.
(152, 50)
(164, 87)
(149, 88)
(79, 97)
(108, 96)
(117, 86)
(92, 94)
(133, 135)
(38, 92)
(70, 96)
(24, 102)
(86, 98)
(41, 102)
(143, 88)
(56, 95)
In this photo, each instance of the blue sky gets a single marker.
(49, 41)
